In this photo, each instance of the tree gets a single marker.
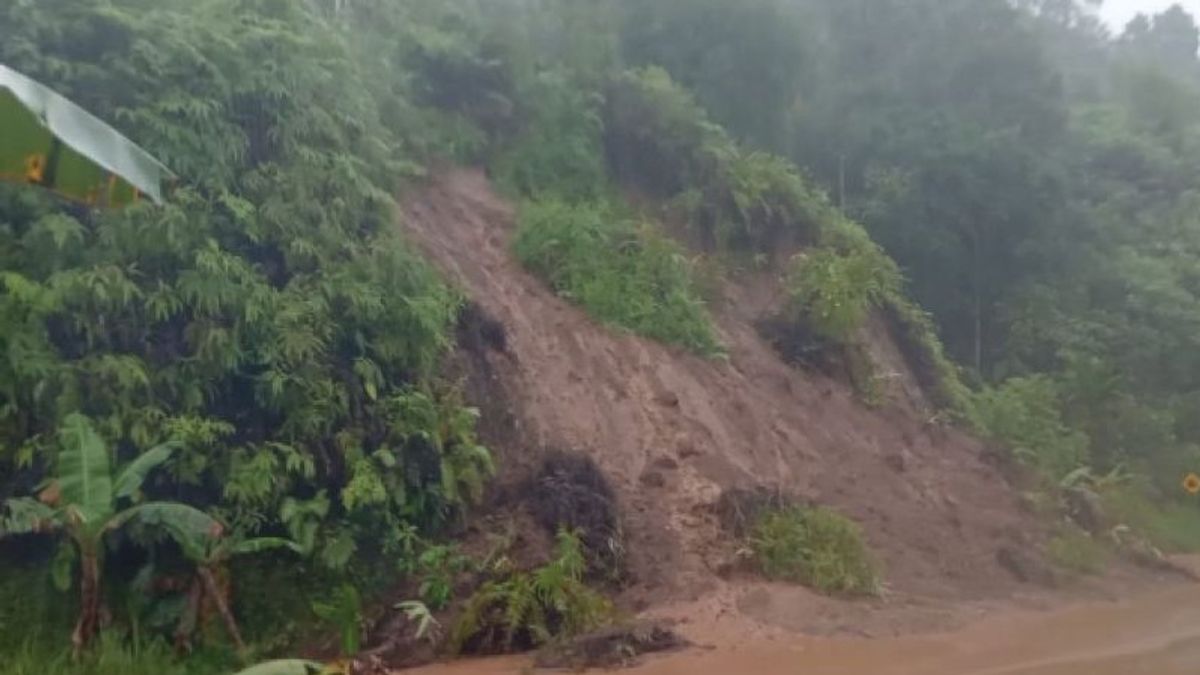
(210, 550)
(82, 502)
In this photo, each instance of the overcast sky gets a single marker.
(1118, 12)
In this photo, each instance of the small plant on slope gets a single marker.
(816, 547)
(528, 609)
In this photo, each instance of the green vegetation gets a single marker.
(835, 287)
(261, 355)
(1023, 414)
(1077, 552)
(532, 608)
(621, 272)
(111, 656)
(816, 547)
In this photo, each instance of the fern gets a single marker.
(528, 609)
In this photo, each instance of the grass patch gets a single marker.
(816, 547)
(1173, 527)
(621, 272)
(110, 656)
(1078, 553)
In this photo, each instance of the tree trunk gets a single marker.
(214, 591)
(89, 601)
(190, 617)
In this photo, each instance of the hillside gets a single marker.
(673, 431)
(469, 327)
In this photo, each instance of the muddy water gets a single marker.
(1157, 634)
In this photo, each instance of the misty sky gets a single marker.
(1118, 12)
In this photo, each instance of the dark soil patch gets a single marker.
(739, 510)
(569, 491)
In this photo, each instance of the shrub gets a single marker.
(835, 289)
(916, 336)
(1173, 527)
(658, 139)
(620, 272)
(527, 609)
(558, 153)
(1024, 414)
(816, 547)
(1078, 552)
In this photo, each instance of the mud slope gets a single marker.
(672, 430)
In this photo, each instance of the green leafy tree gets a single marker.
(84, 503)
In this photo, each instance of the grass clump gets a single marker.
(620, 272)
(1078, 552)
(816, 547)
(110, 655)
(528, 609)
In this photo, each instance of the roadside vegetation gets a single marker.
(253, 372)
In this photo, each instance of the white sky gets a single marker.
(1117, 13)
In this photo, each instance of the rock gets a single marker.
(1024, 567)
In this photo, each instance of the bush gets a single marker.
(816, 547)
(835, 289)
(528, 609)
(1173, 527)
(620, 272)
(1078, 552)
(558, 153)
(1024, 414)
(658, 139)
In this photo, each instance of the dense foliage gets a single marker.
(1028, 174)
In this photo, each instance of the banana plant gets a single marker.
(81, 504)
(210, 551)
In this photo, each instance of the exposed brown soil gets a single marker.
(672, 431)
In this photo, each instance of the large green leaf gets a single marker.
(47, 140)
(84, 475)
(26, 515)
(283, 667)
(191, 528)
(129, 481)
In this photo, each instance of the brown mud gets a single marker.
(1155, 634)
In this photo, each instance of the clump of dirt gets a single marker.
(613, 647)
(569, 491)
(671, 431)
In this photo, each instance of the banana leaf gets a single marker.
(49, 141)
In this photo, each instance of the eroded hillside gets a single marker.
(672, 431)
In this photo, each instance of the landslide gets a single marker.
(672, 431)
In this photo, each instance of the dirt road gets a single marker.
(1156, 634)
